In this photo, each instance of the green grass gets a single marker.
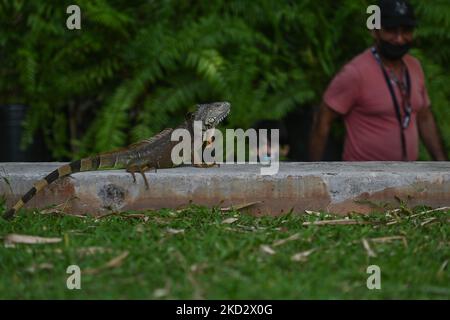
(214, 260)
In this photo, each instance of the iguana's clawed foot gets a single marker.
(206, 165)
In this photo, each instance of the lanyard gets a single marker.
(406, 101)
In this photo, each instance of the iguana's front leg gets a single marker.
(141, 170)
(132, 170)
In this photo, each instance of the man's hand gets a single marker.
(320, 129)
(430, 134)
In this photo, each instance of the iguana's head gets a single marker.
(211, 114)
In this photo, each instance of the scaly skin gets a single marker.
(153, 153)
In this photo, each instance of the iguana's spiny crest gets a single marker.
(211, 114)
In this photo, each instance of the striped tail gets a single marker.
(88, 164)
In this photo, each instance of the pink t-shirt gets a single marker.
(359, 92)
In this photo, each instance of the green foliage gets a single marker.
(433, 39)
(134, 69)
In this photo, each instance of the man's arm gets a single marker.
(320, 130)
(430, 135)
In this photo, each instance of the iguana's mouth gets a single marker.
(211, 123)
(223, 116)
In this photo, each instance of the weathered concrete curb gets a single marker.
(334, 186)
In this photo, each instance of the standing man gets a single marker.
(382, 97)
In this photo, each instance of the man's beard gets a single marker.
(391, 51)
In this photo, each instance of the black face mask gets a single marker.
(391, 51)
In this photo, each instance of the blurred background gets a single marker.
(136, 67)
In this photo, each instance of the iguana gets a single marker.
(152, 153)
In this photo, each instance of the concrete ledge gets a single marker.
(334, 186)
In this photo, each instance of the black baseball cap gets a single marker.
(397, 13)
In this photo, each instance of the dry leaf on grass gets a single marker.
(93, 250)
(335, 222)
(442, 268)
(198, 267)
(393, 212)
(391, 238)
(235, 230)
(87, 251)
(430, 211)
(283, 241)
(302, 256)
(125, 215)
(140, 228)
(103, 216)
(230, 220)
(113, 263)
(136, 216)
(248, 228)
(391, 222)
(282, 229)
(369, 250)
(57, 211)
(76, 232)
(174, 231)
(13, 238)
(41, 266)
(419, 214)
(159, 220)
(267, 249)
(239, 207)
(160, 293)
(427, 221)
(315, 213)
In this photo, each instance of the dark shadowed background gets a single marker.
(136, 67)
